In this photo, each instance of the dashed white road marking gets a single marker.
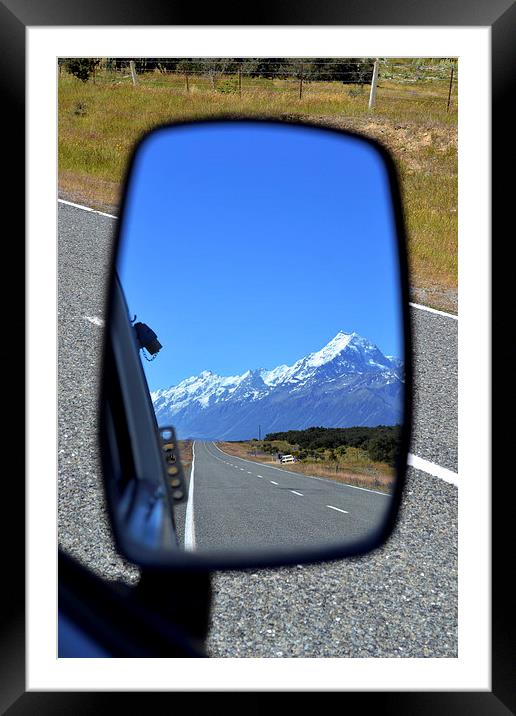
(297, 493)
(338, 509)
(273, 483)
(310, 477)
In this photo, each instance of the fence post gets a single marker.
(301, 83)
(374, 83)
(449, 91)
(240, 81)
(187, 85)
(133, 71)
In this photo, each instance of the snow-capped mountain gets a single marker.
(347, 383)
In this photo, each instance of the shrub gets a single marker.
(81, 67)
(227, 87)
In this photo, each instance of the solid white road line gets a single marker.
(434, 310)
(432, 469)
(189, 519)
(338, 509)
(87, 208)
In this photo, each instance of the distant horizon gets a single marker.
(297, 430)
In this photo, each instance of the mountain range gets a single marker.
(349, 382)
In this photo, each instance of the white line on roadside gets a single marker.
(189, 519)
(112, 216)
(432, 469)
(434, 310)
(338, 509)
(87, 208)
(297, 493)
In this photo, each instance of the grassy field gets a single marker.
(355, 469)
(100, 122)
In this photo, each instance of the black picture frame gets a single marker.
(500, 16)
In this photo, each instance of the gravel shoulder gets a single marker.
(435, 418)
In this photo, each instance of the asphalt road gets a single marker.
(238, 504)
(399, 601)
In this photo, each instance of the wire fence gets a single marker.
(372, 80)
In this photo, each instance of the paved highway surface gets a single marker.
(400, 600)
(239, 504)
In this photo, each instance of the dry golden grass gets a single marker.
(100, 123)
(375, 476)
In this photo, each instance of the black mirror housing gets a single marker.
(140, 488)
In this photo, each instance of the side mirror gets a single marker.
(269, 421)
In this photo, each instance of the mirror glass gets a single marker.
(260, 265)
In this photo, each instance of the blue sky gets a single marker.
(250, 245)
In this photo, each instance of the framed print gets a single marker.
(403, 687)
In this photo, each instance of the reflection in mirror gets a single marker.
(260, 267)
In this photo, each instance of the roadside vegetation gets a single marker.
(380, 443)
(185, 453)
(102, 118)
(363, 457)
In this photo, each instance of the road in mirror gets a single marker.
(264, 259)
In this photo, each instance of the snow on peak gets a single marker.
(330, 350)
(273, 376)
(208, 387)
